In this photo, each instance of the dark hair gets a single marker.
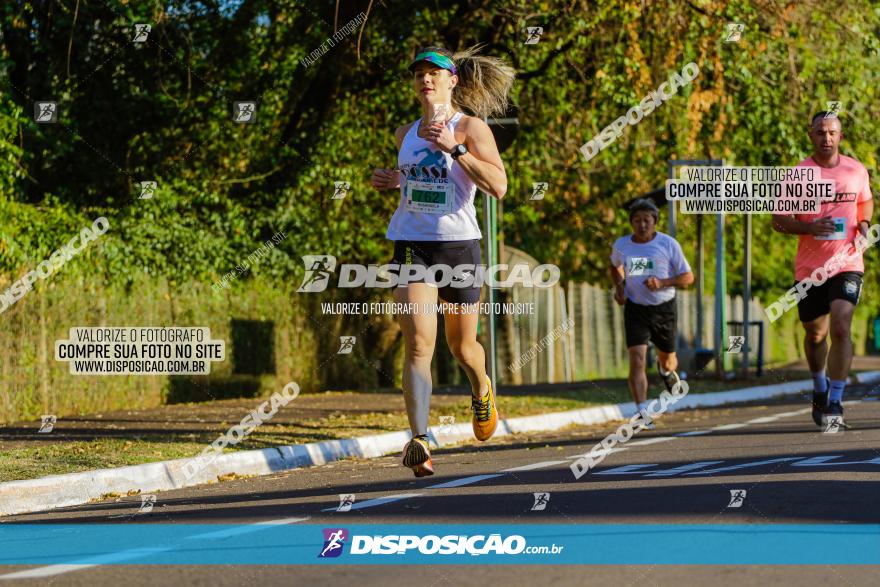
(644, 205)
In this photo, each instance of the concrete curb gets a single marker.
(56, 491)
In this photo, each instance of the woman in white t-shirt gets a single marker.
(443, 158)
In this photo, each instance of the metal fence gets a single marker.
(576, 332)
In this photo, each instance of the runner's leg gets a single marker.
(461, 335)
(668, 361)
(841, 353)
(419, 333)
(815, 343)
(638, 378)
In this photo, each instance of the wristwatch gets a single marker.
(459, 150)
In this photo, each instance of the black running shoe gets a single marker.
(820, 404)
(670, 379)
(832, 419)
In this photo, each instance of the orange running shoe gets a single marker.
(417, 457)
(485, 418)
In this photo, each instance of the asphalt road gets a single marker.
(755, 464)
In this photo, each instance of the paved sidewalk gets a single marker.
(132, 437)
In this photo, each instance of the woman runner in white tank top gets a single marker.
(443, 158)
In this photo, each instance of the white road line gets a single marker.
(795, 413)
(651, 441)
(764, 420)
(534, 466)
(695, 433)
(53, 570)
(601, 453)
(49, 571)
(378, 501)
(94, 561)
(246, 529)
(463, 481)
(731, 426)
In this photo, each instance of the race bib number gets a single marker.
(429, 197)
(839, 233)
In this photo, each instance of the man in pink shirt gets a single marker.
(820, 237)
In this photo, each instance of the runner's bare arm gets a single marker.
(865, 212)
(482, 162)
(683, 280)
(791, 225)
(616, 274)
(618, 279)
(389, 179)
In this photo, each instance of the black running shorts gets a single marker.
(651, 323)
(450, 253)
(843, 286)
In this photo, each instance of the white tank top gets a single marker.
(436, 195)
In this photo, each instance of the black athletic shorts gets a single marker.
(451, 253)
(843, 286)
(651, 323)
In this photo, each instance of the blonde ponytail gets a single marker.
(483, 83)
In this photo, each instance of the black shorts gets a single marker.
(451, 253)
(651, 323)
(843, 286)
